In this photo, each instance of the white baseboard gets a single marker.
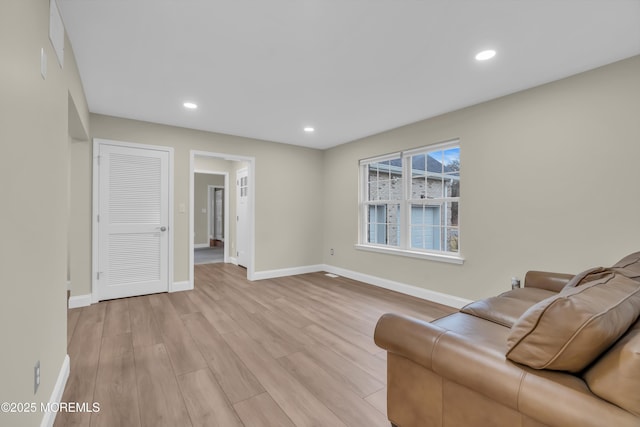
(56, 395)
(85, 300)
(80, 301)
(181, 286)
(200, 245)
(271, 274)
(403, 288)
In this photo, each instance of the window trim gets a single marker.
(433, 256)
(404, 249)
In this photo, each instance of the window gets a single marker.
(410, 201)
(244, 186)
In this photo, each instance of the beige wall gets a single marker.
(78, 101)
(34, 171)
(549, 181)
(201, 197)
(80, 248)
(288, 185)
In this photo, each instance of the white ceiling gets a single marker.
(349, 68)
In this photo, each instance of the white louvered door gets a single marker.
(133, 221)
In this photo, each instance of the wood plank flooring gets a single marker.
(294, 351)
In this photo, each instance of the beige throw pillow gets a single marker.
(570, 330)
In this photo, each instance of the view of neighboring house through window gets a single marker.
(409, 200)
(384, 199)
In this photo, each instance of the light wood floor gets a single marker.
(295, 351)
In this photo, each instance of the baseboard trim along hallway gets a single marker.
(77, 301)
(56, 395)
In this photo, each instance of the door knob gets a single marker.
(163, 228)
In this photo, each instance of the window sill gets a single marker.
(451, 259)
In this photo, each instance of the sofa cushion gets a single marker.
(507, 307)
(616, 375)
(570, 330)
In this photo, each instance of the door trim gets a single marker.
(95, 241)
(251, 210)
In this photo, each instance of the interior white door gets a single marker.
(242, 209)
(133, 221)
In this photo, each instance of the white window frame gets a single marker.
(404, 248)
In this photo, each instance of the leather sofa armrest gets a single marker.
(407, 337)
(546, 280)
(461, 359)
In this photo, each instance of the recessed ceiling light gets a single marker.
(485, 54)
(190, 105)
(309, 129)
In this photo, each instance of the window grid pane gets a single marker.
(384, 180)
(383, 224)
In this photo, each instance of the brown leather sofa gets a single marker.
(493, 363)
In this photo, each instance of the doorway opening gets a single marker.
(215, 228)
(208, 217)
